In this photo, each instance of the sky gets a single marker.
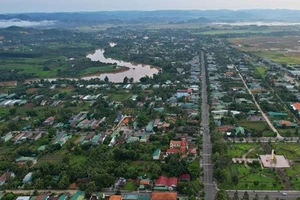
(17, 6)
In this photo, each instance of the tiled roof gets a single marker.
(115, 197)
(164, 196)
(296, 106)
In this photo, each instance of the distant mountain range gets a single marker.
(160, 16)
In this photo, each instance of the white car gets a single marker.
(284, 194)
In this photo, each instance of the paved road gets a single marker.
(291, 195)
(209, 189)
(259, 108)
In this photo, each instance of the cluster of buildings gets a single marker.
(9, 100)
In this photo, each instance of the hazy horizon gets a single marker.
(29, 6)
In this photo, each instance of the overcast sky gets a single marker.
(9, 6)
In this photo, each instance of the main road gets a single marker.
(209, 188)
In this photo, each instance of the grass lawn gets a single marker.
(289, 150)
(268, 134)
(94, 70)
(294, 175)
(130, 186)
(257, 126)
(237, 150)
(287, 132)
(120, 97)
(267, 179)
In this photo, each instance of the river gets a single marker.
(135, 71)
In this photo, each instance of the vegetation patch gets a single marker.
(120, 97)
(130, 185)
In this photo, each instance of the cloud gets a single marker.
(22, 23)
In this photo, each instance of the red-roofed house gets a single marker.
(172, 151)
(49, 121)
(225, 128)
(178, 146)
(5, 177)
(173, 181)
(296, 107)
(163, 181)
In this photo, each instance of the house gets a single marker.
(36, 136)
(182, 145)
(79, 195)
(144, 138)
(49, 121)
(285, 124)
(277, 114)
(149, 127)
(130, 197)
(27, 178)
(4, 178)
(7, 137)
(163, 181)
(175, 144)
(182, 93)
(142, 197)
(144, 182)
(23, 159)
(185, 177)
(225, 128)
(23, 198)
(172, 151)
(53, 198)
(164, 196)
(156, 154)
(115, 197)
(42, 197)
(296, 107)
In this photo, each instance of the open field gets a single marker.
(278, 57)
(35, 69)
(280, 49)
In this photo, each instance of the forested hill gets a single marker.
(119, 17)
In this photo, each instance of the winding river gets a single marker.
(135, 71)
